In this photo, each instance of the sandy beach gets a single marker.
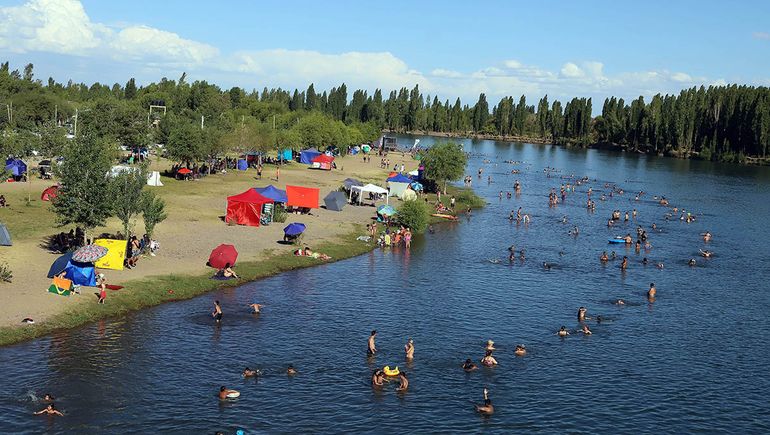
(193, 228)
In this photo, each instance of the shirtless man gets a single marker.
(620, 302)
(256, 307)
(651, 292)
(581, 315)
(248, 373)
(409, 349)
(706, 236)
(378, 378)
(469, 366)
(604, 258)
(520, 350)
(50, 410)
(290, 370)
(486, 408)
(706, 254)
(217, 314)
(562, 332)
(223, 392)
(404, 382)
(624, 263)
(371, 349)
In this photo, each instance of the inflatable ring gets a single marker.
(388, 372)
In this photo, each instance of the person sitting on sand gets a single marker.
(223, 392)
(227, 272)
(488, 359)
(404, 382)
(50, 410)
(585, 330)
(520, 350)
(248, 373)
(290, 370)
(562, 332)
(469, 366)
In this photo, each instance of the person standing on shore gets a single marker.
(371, 348)
(102, 288)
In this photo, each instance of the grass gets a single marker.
(156, 290)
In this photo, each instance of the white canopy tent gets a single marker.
(154, 179)
(396, 188)
(369, 188)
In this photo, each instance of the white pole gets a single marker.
(75, 130)
(202, 122)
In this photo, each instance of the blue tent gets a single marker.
(285, 155)
(273, 193)
(400, 178)
(16, 166)
(307, 156)
(243, 165)
(80, 273)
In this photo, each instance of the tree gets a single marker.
(185, 143)
(153, 210)
(84, 198)
(444, 162)
(414, 214)
(126, 192)
(480, 113)
(130, 90)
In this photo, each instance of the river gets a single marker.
(695, 360)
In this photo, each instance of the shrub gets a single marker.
(279, 214)
(414, 214)
(5, 273)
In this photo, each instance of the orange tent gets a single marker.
(246, 208)
(306, 197)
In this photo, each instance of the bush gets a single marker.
(467, 198)
(414, 215)
(279, 214)
(5, 273)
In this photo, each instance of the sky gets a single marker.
(449, 48)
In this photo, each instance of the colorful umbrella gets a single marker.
(386, 210)
(221, 255)
(89, 253)
(184, 171)
(294, 229)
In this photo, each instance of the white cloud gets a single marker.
(512, 64)
(440, 72)
(63, 27)
(761, 35)
(681, 77)
(571, 70)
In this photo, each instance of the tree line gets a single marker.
(202, 120)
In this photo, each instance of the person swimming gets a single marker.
(562, 332)
(490, 346)
(50, 410)
(706, 254)
(256, 307)
(224, 392)
(409, 349)
(620, 302)
(404, 382)
(520, 350)
(604, 257)
(48, 398)
(486, 408)
(691, 263)
(378, 378)
(248, 373)
(217, 314)
(624, 263)
(546, 266)
(488, 359)
(651, 292)
(290, 370)
(706, 236)
(469, 366)
(584, 329)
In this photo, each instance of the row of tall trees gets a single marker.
(202, 119)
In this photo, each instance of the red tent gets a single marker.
(50, 193)
(302, 196)
(325, 161)
(246, 208)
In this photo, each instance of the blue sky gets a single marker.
(449, 48)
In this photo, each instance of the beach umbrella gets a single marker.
(59, 265)
(386, 210)
(294, 229)
(184, 171)
(221, 255)
(89, 253)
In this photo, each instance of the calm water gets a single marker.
(694, 361)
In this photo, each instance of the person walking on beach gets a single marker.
(371, 348)
(217, 314)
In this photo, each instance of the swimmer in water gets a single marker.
(581, 315)
(585, 330)
(520, 350)
(404, 382)
(706, 236)
(50, 410)
(624, 263)
(562, 332)
(48, 398)
(691, 263)
(659, 265)
(488, 359)
(706, 254)
(248, 373)
(486, 408)
(620, 302)
(546, 266)
(371, 349)
(645, 261)
(409, 349)
(651, 292)
(604, 258)
(378, 378)
(256, 307)
(469, 366)
(223, 392)
(290, 370)
(217, 314)
(490, 345)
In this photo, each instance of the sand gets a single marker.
(193, 228)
